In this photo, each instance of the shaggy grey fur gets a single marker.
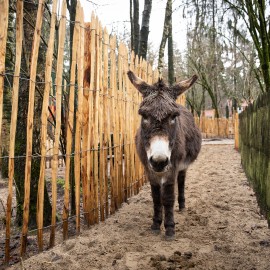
(162, 116)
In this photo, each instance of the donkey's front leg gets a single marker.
(157, 218)
(181, 189)
(168, 198)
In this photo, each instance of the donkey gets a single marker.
(167, 142)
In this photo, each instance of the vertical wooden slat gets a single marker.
(78, 134)
(110, 127)
(124, 127)
(44, 118)
(4, 4)
(13, 122)
(106, 119)
(70, 125)
(126, 124)
(132, 129)
(236, 132)
(33, 70)
(90, 146)
(137, 163)
(58, 99)
(96, 138)
(85, 128)
(119, 135)
(101, 116)
(113, 172)
(116, 132)
(144, 77)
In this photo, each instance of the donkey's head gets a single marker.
(160, 123)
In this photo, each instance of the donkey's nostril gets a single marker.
(158, 163)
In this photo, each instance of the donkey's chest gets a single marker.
(181, 166)
(170, 176)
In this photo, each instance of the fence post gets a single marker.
(101, 117)
(59, 73)
(70, 126)
(78, 132)
(236, 132)
(44, 119)
(14, 113)
(3, 40)
(106, 124)
(85, 122)
(113, 173)
(30, 115)
(132, 126)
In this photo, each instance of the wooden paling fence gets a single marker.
(107, 170)
(218, 127)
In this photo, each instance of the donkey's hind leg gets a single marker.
(157, 218)
(181, 189)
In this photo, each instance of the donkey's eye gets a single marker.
(145, 119)
(173, 119)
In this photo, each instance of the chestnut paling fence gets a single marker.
(106, 168)
(218, 127)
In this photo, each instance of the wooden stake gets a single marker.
(119, 124)
(113, 168)
(90, 144)
(133, 128)
(70, 125)
(3, 40)
(58, 100)
(101, 119)
(44, 118)
(85, 128)
(78, 134)
(106, 119)
(96, 138)
(33, 70)
(13, 122)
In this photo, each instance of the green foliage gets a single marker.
(4, 168)
(61, 182)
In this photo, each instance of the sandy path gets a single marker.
(221, 227)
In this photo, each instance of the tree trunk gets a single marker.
(145, 28)
(20, 146)
(165, 34)
(214, 60)
(136, 26)
(131, 26)
(171, 78)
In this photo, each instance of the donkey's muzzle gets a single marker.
(159, 162)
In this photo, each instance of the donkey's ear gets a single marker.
(182, 86)
(141, 85)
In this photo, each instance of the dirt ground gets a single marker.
(221, 227)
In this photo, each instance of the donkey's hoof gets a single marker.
(156, 232)
(169, 234)
(169, 238)
(182, 205)
(155, 227)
